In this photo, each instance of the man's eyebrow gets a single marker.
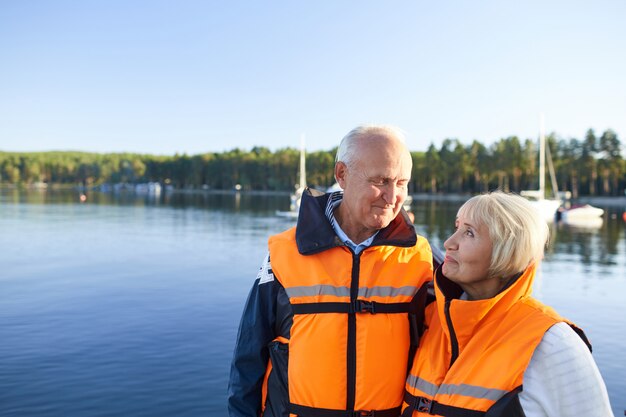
(385, 177)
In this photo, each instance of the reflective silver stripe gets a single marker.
(306, 291)
(473, 391)
(465, 390)
(422, 385)
(364, 292)
(387, 291)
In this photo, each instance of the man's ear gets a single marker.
(341, 170)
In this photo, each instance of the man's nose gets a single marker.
(391, 194)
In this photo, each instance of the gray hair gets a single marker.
(517, 231)
(347, 150)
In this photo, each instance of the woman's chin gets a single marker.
(448, 271)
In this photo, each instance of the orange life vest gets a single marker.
(350, 338)
(473, 354)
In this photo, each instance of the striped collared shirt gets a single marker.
(333, 202)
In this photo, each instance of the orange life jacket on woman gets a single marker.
(472, 357)
(348, 347)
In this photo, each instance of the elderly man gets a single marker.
(334, 313)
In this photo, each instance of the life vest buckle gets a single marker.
(363, 413)
(363, 306)
(424, 405)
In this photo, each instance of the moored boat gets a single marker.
(584, 216)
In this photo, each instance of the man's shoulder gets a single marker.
(265, 273)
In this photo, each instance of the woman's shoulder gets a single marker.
(560, 340)
(537, 307)
(560, 373)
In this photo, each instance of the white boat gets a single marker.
(582, 216)
(546, 207)
(296, 196)
(582, 212)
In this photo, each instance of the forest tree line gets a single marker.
(589, 166)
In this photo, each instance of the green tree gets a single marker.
(433, 168)
(588, 161)
(479, 162)
(611, 162)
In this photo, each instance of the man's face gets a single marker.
(375, 187)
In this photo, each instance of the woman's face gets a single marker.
(468, 256)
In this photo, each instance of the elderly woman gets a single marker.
(489, 348)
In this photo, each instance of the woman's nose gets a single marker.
(450, 243)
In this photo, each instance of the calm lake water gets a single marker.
(129, 306)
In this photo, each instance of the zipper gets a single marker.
(351, 357)
(453, 340)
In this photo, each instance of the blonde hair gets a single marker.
(517, 231)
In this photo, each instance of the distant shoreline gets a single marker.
(598, 200)
(615, 201)
(605, 201)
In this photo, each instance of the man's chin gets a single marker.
(380, 222)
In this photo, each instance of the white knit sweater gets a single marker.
(562, 379)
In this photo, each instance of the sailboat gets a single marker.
(546, 207)
(296, 196)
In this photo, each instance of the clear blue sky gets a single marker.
(198, 76)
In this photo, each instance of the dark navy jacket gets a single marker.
(267, 313)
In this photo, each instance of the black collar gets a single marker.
(315, 234)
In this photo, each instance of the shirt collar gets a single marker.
(333, 202)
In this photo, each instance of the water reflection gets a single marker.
(231, 202)
(154, 286)
(433, 219)
(588, 245)
(601, 246)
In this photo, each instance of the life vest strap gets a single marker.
(304, 411)
(357, 306)
(428, 406)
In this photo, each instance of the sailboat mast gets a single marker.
(555, 187)
(302, 164)
(542, 159)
